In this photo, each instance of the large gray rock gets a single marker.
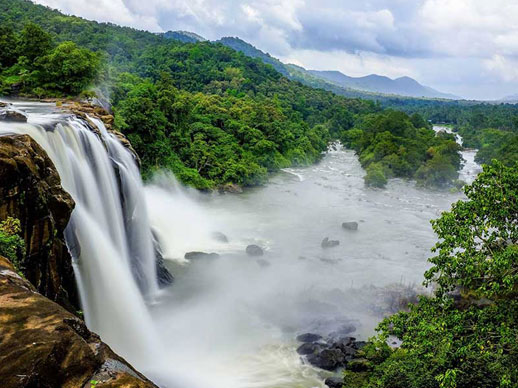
(254, 250)
(8, 113)
(309, 348)
(328, 359)
(326, 243)
(350, 225)
(334, 382)
(309, 337)
(200, 255)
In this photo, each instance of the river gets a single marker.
(231, 322)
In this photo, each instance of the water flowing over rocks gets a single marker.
(9, 114)
(200, 256)
(43, 345)
(31, 191)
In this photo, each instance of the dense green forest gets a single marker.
(215, 117)
(31, 63)
(210, 114)
(490, 128)
(465, 335)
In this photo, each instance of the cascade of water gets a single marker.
(108, 234)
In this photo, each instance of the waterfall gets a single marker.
(108, 235)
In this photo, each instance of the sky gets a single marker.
(465, 47)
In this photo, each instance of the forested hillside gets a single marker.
(210, 114)
(489, 127)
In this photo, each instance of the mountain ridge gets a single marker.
(373, 83)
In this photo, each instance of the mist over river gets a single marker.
(232, 321)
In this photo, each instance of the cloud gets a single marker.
(115, 11)
(426, 39)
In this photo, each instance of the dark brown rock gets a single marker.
(350, 225)
(10, 114)
(254, 250)
(334, 382)
(42, 345)
(31, 191)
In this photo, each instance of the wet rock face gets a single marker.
(43, 345)
(327, 243)
(254, 250)
(200, 256)
(8, 113)
(350, 225)
(333, 352)
(31, 191)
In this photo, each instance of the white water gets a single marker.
(470, 168)
(110, 240)
(231, 322)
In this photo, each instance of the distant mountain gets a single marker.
(184, 36)
(371, 87)
(404, 86)
(512, 99)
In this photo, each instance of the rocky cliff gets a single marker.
(44, 346)
(30, 190)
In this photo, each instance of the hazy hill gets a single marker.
(404, 86)
(184, 36)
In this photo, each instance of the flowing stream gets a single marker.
(231, 322)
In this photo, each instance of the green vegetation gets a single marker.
(393, 144)
(12, 246)
(30, 64)
(208, 113)
(470, 340)
(492, 144)
(490, 128)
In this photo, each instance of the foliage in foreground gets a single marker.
(12, 246)
(472, 340)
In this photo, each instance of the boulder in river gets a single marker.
(43, 345)
(309, 348)
(326, 243)
(200, 256)
(309, 337)
(254, 250)
(334, 382)
(8, 113)
(221, 237)
(350, 225)
(328, 359)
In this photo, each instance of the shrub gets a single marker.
(375, 176)
(12, 245)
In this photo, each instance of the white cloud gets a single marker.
(114, 11)
(426, 39)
